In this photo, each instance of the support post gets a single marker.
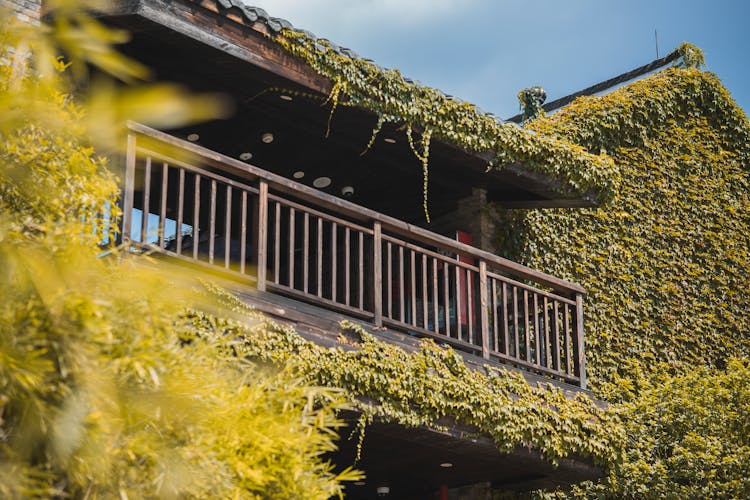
(377, 269)
(262, 234)
(579, 333)
(484, 320)
(128, 190)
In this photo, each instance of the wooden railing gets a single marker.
(194, 204)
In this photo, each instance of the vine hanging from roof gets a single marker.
(413, 107)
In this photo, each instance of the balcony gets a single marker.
(287, 239)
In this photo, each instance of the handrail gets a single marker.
(353, 210)
(416, 281)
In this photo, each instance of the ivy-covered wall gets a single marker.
(666, 262)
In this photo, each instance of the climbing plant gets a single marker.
(420, 388)
(401, 102)
(666, 266)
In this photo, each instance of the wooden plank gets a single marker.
(580, 342)
(262, 238)
(146, 200)
(361, 251)
(505, 329)
(196, 215)
(556, 336)
(457, 287)
(546, 334)
(537, 333)
(446, 299)
(402, 312)
(128, 189)
(566, 340)
(212, 224)
(305, 251)
(435, 317)
(347, 265)
(484, 327)
(290, 266)
(180, 209)
(425, 304)
(377, 268)
(243, 232)
(163, 202)
(495, 321)
(413, 286)
(516, 339)
(319, 258)
(470, 306)
(334, 260)
(277, 244)
(227, 226)
(389, 284)
(526, 332)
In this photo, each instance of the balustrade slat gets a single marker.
(361, 250)
(212, 224)
(292, 225)
(495, 340)
(459, 316)
(163, 203)
(243, 232)
(277, 244)
(180, 210)
(305, 252)
(389, 280)
(446, 299)
(516, 352)
(546, 332)
(556, 336)
(347, 265)
(425, 306)
(504, 324)
(413, 286)
(196, 215)
(319, 258)
(334, 259)
(470, 307)
(435, 308)
(526, 333)
(146, 201)
(537, 333)
(566, 341)
(227, 226)
(402, 316)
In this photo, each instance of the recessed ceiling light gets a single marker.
(285, 97)
(446, 465)
(359, 483)
(390, 140)
(299, 174)
(245, 156)
(193, 137)
(322, 182)
(267, 138)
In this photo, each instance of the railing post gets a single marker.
(484, 322)
(377, 269)
(128, 189)
(579, 333)
(262, 234)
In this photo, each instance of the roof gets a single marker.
(397, 99)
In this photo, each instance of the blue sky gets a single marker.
(485, 51)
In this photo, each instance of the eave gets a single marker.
(231, 32)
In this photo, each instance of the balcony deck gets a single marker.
(289, 240)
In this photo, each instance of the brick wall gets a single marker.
(25, 10)
(472, 215)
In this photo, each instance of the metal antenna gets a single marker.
(656, 39)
